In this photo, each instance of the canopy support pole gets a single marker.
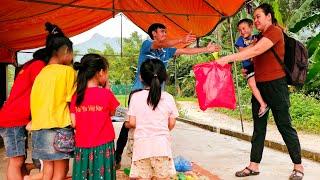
(121, 55)
(3, 83)
(236, 71)
(121, 35)
(175, 75)
(113, 12)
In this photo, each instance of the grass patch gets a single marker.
(304, 110)
(193, 99)
(122, 99)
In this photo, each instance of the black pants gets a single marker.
(275, 94)
(123, 136)
(121, 142)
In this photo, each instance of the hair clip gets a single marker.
(54, 31)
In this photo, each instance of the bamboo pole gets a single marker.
(236, 71)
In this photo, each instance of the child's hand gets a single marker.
(189, 38)
(222, 61)
(211, 47)
(126, 124)
(254, 41)
(73, 120)
(28, 126)
(107, 85)
(244, 72)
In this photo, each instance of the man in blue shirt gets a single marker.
(159, 47)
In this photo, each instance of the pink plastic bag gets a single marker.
(214, 86)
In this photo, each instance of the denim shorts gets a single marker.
(42, 146)
(14, 140)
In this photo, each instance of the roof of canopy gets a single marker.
(22, 21)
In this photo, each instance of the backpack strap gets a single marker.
(286, 70)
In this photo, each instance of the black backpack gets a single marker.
(295, 61)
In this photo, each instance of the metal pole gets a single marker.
(175, 75)
(121, 34)
(121, 55)
(3, 83)
(236, 71)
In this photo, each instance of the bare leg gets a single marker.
(255, 91)
(155, 178)
(47, 170)
(14, 171)
(37, 176)
(61, 168)
(298, 167)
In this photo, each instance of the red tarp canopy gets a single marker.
(22, 21)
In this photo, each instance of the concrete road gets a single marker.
(222, 155)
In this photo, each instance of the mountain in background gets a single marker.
(98, 42)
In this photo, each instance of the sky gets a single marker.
(110, 28)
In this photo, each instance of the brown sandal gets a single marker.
(243, 173)
(296, 175)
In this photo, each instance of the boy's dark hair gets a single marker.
(154, 27)
(55, 40)
(246, 20)
(153, 74)
(87, 68)
(267, 8)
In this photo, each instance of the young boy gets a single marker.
(245, 28)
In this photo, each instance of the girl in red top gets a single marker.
(15, 114)
(91, 109)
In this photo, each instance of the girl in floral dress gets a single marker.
(91, 109)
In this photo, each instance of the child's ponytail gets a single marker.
(153, 74)
(89, 65)
(155, 92)
(55, 40)
(81, 82)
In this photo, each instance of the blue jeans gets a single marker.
(14, 140)
(42, 146)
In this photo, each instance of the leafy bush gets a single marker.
(304, 110)
(171, 89)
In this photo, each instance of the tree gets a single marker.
(122, 69)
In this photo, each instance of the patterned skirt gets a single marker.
(94, 163)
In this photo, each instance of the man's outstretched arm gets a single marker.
(188, 39)
(189, 51)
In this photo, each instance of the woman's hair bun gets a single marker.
(53, 29)
(78, 66)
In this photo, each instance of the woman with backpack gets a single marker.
(271, 81)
